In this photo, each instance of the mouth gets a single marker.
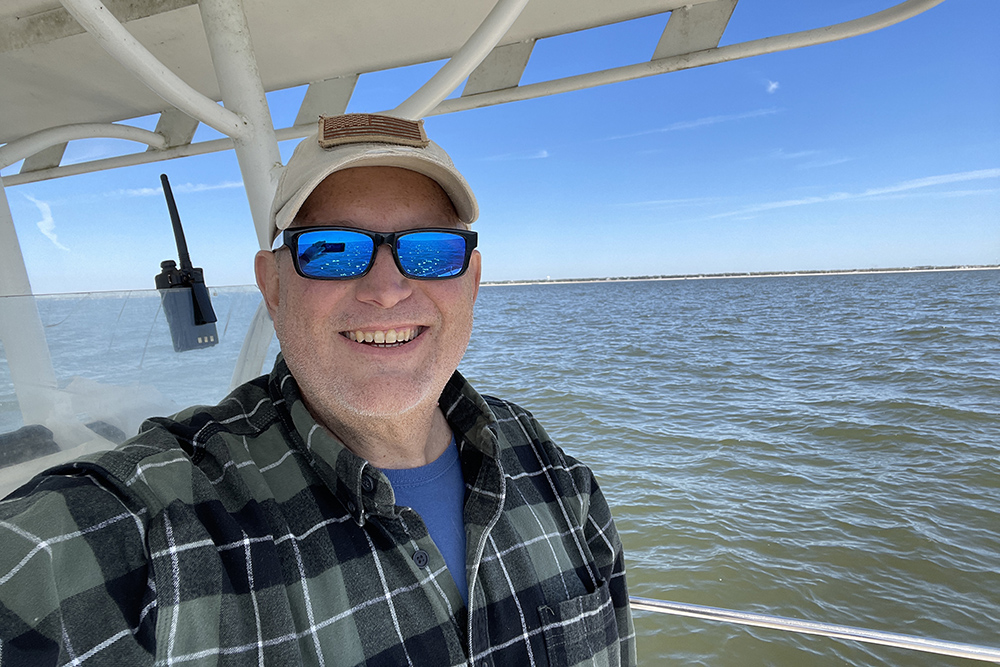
(386, 338)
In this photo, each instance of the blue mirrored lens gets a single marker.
(431, 254)
(334, 254)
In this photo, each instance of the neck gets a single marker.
(410, 440)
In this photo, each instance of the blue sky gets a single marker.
(879, 151)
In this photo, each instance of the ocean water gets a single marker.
(819, 447)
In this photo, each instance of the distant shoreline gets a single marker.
(761, 274)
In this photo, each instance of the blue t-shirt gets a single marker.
(436, 492)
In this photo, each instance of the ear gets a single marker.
(265, 266)
(476, 270)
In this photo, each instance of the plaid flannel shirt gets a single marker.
(245, 533)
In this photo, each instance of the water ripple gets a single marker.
(818, 447)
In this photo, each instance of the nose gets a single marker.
(383, 285)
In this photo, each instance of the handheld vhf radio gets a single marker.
(184, 295)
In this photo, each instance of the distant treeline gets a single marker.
(747, 274)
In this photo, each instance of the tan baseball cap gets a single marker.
(366, 140)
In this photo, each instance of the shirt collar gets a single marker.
(362, 488)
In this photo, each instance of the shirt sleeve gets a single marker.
(74, 577)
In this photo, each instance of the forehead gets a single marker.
(368, 194)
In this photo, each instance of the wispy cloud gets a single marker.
(180, 187)
(780, 154)
(818, 161)
(898, 188)
(673, 203)
(960, 177)
(696, 123)
(817, 164)
(772, 86)
(532, 155)
(47, 225)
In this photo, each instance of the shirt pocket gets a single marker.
(581, 630)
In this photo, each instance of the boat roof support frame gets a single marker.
(44, 159)
(502, 68)
(239, 81)
(34, 143)
(329, 97)
(694, 28)
(136, 58)
(257, 151)
(177, 127)
(458, 68)
(795, 40)
(885, 18)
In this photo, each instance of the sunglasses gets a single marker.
(343, 253)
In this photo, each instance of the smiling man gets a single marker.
(360, 505)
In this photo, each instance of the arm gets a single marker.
(74, 576)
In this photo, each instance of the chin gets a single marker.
(387, 400)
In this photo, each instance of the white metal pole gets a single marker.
(939, 647)
(21, 328)
(38, 141)
(457, 69)
(133, 56)
(242, 91)
(257, 150)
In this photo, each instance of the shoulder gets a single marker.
(527, 452)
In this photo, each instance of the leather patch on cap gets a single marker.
(358, 128)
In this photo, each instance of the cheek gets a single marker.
(300, 306)
(458, 311)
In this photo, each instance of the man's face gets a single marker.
(343, 379)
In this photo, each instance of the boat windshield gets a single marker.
(114, 365)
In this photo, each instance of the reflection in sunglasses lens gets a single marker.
(334, 254)
(431, 254)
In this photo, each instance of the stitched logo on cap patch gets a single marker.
(359, 128)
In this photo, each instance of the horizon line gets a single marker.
(744, 274)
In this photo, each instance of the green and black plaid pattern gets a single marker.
(245, 533)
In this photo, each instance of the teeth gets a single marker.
(390, 337)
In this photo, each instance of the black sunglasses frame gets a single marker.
(290, 238)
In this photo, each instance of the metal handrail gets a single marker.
(956, 649)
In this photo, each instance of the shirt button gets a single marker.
(351, 506)
(420, 557)
(367, 484)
